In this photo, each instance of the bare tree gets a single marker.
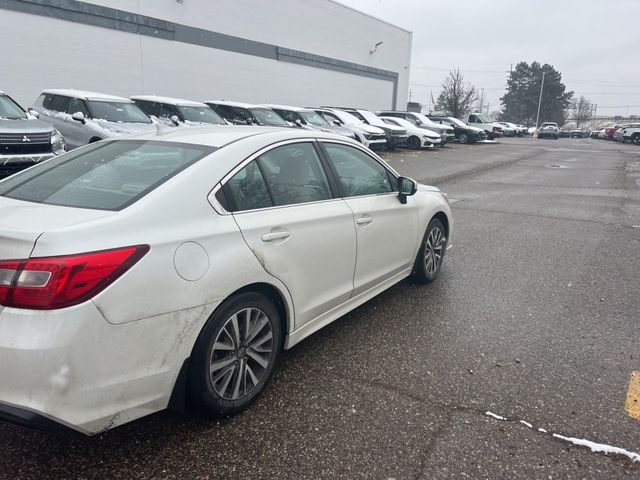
(581, 111)
(456, 97)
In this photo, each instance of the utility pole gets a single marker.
(481, 109)
(540, 100)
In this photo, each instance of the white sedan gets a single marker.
(417, 137)
(139, 272)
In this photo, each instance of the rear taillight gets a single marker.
(59, 282)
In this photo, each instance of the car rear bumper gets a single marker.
(70, 368)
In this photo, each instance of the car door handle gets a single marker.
(364, 220)
(270, 237)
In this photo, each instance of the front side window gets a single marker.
(103, 176)
(295, 174)
(59, 103)
(126, 112)
(77, 105)
(358, 173)
(247, 190)
(473, 119)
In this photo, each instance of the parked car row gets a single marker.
(628, 133)
(64, 119)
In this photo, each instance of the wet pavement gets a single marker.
(536, 318)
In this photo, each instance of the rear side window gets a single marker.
(104, 176)
(358, 173)
(247, 189)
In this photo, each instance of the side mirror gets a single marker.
(175, 120)
(79, 117)
(298, 122)
(34, 113)
(406, 188)
(337, 123)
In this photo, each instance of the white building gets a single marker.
(298, 52)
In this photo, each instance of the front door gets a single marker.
(387, 230)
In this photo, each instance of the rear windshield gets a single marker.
(103, 176)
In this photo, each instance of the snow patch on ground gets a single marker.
(599, 447)
(497, 417)
(593, 446)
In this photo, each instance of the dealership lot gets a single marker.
(535, 319)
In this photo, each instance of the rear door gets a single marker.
(284, 203)
(386, 230)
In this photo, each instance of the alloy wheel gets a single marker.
(433, 250)
(241, 353)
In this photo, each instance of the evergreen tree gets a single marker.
(520, 102)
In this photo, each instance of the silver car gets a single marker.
(24, 140)
(87, 117)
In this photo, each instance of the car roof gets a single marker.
(234, 104)
(169, 100)
(220, 135)
(285, 107)
(70, 92)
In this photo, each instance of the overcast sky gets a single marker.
(595, 44)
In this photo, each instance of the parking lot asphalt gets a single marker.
(535, 319)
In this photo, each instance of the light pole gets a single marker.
(540, 99)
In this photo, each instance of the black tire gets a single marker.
(414, 142)
(555, 137)
(224, 399)
(423, 271)
(636, 139)
(463, 138)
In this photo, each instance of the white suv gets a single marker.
(87, 117)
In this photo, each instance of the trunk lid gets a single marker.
(22, 223)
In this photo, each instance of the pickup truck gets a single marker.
(493, 129)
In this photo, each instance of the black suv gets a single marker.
(463, 132)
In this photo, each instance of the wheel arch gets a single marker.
(445, 221)
(178, 400)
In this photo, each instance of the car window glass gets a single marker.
(359, 174)
(77, 105)
(103, 176)
(46, 100)
(294, 174)
(248, 190)
(59, 103)
(166, 111)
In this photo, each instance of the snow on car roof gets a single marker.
(234, 104)
(70, 92)
(285, 107)
(169, 100)
(220, 135)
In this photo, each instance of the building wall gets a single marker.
(58, 49)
